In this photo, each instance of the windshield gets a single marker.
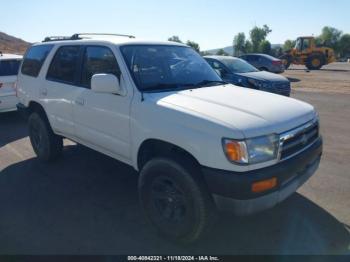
(164, 67)
(237, 65)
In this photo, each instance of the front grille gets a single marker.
(299, 139)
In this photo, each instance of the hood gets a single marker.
(263, 75)
(252, 112)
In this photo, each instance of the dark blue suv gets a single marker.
(239, 72)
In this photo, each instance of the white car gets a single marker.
(9, 65)
(197, 142)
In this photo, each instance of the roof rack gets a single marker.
(79, 36)
(56, 38)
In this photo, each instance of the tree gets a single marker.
(344, 46)
(288, 45)
(174, 38)
(194, 45)
(265, 47)
(239, 44)
(257, 35)
(221, 52)
(330, 36)
(248, 47)
(204, 53)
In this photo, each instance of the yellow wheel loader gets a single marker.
(307, 52)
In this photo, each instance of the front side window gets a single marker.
(306, 44)
(64, 65)
(9, 67)
(34, 59)
(98, 59)
(164, 67)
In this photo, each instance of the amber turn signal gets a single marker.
(264, 185)
(236, 151)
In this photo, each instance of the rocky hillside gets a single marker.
(11, 44)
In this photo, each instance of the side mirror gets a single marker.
(218, 71)
(105, 83)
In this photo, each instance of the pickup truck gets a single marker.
(198, 143)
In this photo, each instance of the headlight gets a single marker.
(258, 83)
(252, 151)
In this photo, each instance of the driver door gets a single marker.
(102, 120)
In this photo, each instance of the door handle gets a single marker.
(43, 92)
(80, 101)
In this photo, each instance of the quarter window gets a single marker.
(63, 67)
(34, 59)
(97, 60)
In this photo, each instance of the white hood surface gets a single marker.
(252, 112)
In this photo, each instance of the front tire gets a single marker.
(286, 61)
(175, 200)
(47, 146)
(315, 62)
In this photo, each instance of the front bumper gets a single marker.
(23, 110)
(232, 190)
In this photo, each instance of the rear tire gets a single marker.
(175, 200)
(47, 146)
(315, 62)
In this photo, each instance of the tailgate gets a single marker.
(7, 85)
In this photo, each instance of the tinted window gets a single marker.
(252, 58)
(306, 44)
(9, 67)
(98, 59)
(158, 67)
(218, 66)
(34, 59)
(63, 67)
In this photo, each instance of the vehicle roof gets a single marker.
(115, 40)
(263, 55)
(10, 57)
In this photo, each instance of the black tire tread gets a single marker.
(54, 142)
(204, 202)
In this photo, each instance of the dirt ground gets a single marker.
(87, 203)
(333, 78)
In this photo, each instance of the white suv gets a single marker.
(197, 142)
(9, 65)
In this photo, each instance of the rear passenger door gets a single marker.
(253, 60)
(102, 120)
(61, 88)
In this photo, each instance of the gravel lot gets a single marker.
(86, 203)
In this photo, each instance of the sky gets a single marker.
(211, 23)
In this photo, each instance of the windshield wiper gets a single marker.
(160, 87)
(205, 83)
(164, 87)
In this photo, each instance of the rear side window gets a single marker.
(9, 67)
(63, 67)
(98, 59)
(252, 58)
(34, 59)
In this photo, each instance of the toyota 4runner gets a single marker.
(198, 143)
